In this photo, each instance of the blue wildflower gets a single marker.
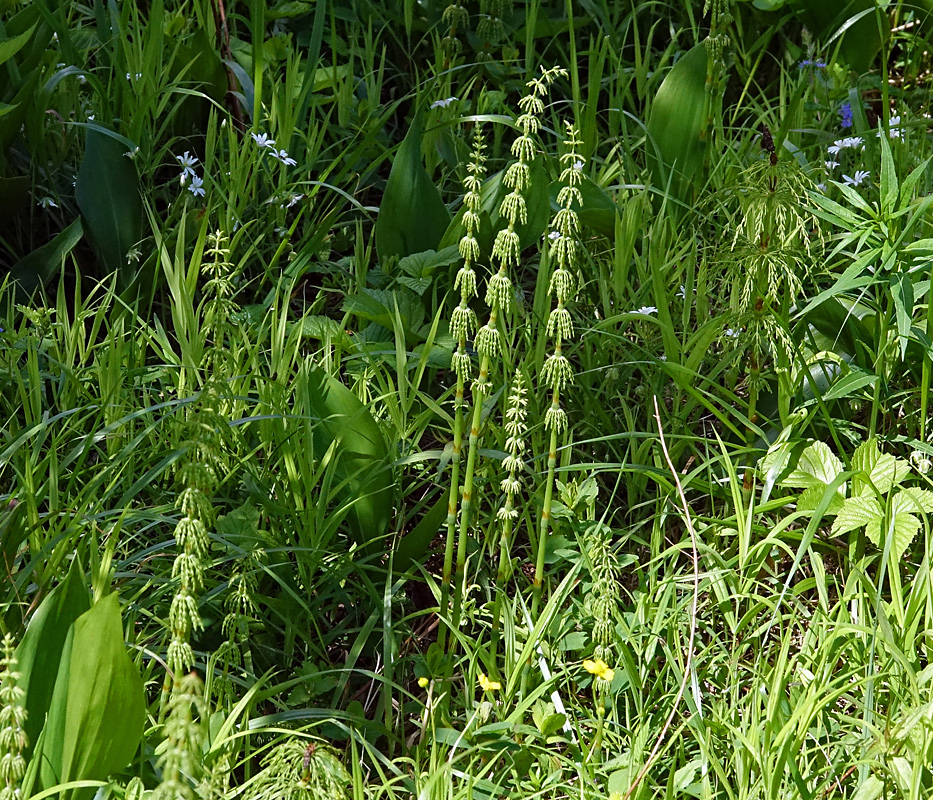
(846, 113)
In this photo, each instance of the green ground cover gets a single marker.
(493, 399)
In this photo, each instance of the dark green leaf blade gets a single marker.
(107, 193)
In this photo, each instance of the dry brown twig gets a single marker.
(693, 610)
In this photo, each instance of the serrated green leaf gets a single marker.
(875, 471)
(856, 512)
(905, 529)
(379, 306)
(809, 500)
(418, 285)
(913, 500)
(817, 467)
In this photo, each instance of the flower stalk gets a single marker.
(557, 372)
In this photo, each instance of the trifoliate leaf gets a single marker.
(856, 512)
(817, 467)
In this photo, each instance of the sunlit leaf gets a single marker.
(855, 513)
(817, 467)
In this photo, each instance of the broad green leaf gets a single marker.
(421, 265)
(809, 500)
(875, 471)
(44, 263)
(360, 455)
(677, 124)
(98, 708)
(871, 789)
(905, 529)
(107, 192)
(412, 217)
(838, 320)
(913, 501)
(817, 467)
(40, 650)
(10, 47)
(856, 512)
(379, 306)
(852, 278)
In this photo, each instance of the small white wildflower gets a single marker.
(578, 166)
(263, 140)
(90, 117)
(553, 235)
(282, 156)
(830, 164)
(443, 103)
(835, 147)
(197, 186)
(187, 162)
(893, 130)
(855, 180)
(131, 154)
(47, 202)
(130, 77)
(293, 200)
(855, 141)
(732, 333)
(647, 310)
